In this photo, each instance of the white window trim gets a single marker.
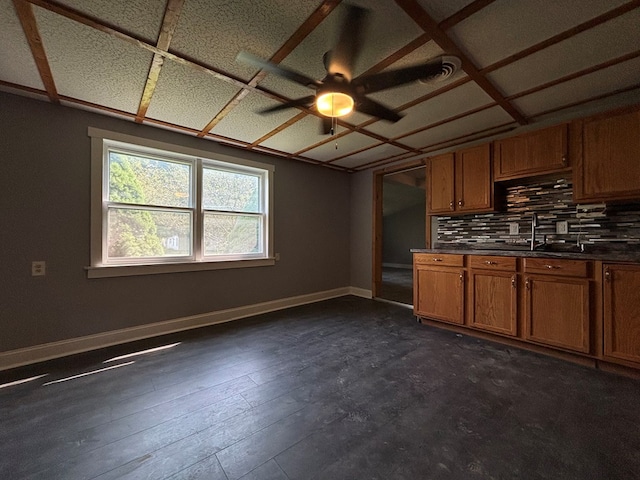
(98, 220)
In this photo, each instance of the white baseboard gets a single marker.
(48, 351)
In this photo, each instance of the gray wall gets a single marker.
(44, 198)
(402, 231)
(361, 228)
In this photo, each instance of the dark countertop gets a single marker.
(610, 256)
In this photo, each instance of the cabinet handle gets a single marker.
(607, 275)
(452, 205)
(564, 161)
(460, 203)
(489, 262)
(526, 284)
(551, 267)
(513, 281)
(461, 276)
(435, 259)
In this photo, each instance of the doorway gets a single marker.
(400, 213)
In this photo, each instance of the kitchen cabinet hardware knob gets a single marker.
(460, 202)
(526, 284)
(513, 281)
(435, 259)
(461, 276)
(564, 160)
(451, 205)
(551, 267)
(607, 275)
(489, 262)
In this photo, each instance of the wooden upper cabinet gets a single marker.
(607, 151)
(474, 186)
(440, 184)
(460, 183)
(536, 153)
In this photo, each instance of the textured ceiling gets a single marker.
(171, 63)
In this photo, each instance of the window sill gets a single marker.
(158, 268)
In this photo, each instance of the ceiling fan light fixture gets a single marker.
(334, 104)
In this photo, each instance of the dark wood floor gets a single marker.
(343, 389)
(397, 285)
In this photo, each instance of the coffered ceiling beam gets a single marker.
(430, 26)
(24, 11)
(594, 22)
(169, 24)
(300, 34)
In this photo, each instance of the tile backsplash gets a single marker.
(611, 226)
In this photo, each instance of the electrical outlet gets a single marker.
(38, 268)
(562, 227)
(514, 229)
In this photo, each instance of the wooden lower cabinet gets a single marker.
(557, 312)
(622, 312)
(493, 301)
(587, 308)
(439, 293)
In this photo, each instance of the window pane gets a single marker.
(229, 191)
(148, 233)
(232, 234)
(147, 181)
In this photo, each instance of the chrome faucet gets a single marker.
(534, 224)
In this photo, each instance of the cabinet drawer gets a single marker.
(492, 262)
(440, 259)
(554, 266)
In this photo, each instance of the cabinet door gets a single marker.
(557, 312)
(440, 188)
(474, 186)
(493, 301)
(440, 294)
(535, 153)
(608, 168)
(622, 312)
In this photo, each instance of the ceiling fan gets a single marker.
(337, 94)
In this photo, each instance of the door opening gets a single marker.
(400, 225)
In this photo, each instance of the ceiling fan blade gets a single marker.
(393, 78)
(299, 102)
(250, 59)
(344, 55)
(375, 109)
(327, 125)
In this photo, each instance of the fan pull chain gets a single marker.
(334, 121)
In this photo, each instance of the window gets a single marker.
(158, 208)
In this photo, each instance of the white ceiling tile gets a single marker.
(597, 83)
(449, 131)
(16, 61)
(244, 123)
(508, 26)
(142, 17)
(341, 146)
(461, 99)
(600, 44)
(91, 65)
(189, 97)
(442, 9)
(215, 32)
(377, 153)
(286, 88)
(298, 136)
